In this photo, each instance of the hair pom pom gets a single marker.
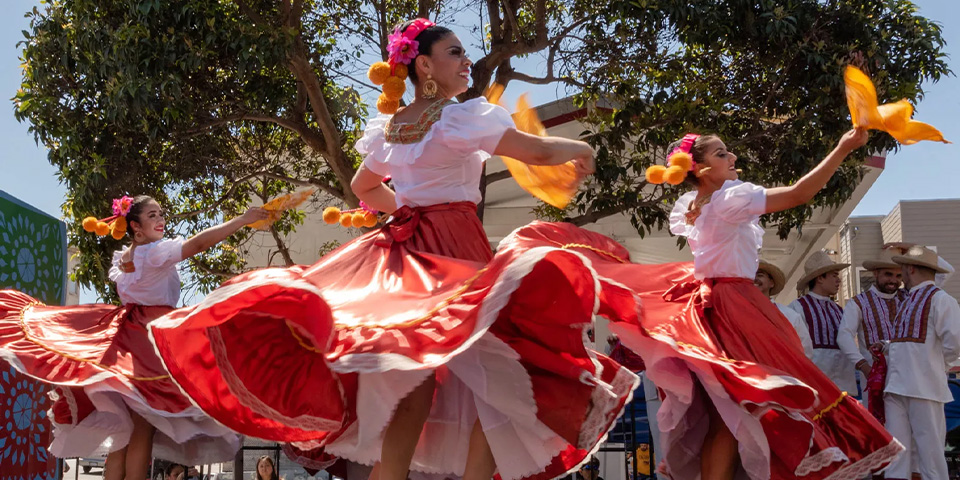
(331, 215)
(400, 71)
(120, 224)
(90, 224)
(674, 175)
(681, 159)
(378, 73)
(394, 87)
(370, 220)
(357, 220)
(346, 220)
(102, 228)
(387, 106)
(116, 233)
(655, 174)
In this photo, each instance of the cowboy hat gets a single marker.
(921, 256)
(818, 264)
(775, 274)
(885, 260)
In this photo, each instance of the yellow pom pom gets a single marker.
(674, 175)
(386, 105)
(89, 224)
(117, 234)
(394, 88)
(358, 220)
(369, 220)
(102, 228)
(346, 220)
(400, 71)
(378, 72)
(655, 174)
(681, 159)
(331, 215)
(120, 224)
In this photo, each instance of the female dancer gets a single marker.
(413, 346)
(114, 396)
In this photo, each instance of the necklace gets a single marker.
(693, 212)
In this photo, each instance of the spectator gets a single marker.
(174, 471)
(266, 470)
(590, 470)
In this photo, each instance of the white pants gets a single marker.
(921, 426)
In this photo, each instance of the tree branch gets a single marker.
(594, 215)
(250, 12)
(281, 247)
(523, 77)
(497, 176)
(210, 271)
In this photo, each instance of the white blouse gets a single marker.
(446, 165)
(155, 280)
(726, 238)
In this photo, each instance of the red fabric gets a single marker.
(876, 381)
(76, 345)
(406, 297)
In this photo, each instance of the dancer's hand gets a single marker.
(583, 160)
(254, 214)
(902, 246)
(853, 139)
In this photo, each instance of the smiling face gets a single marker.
(149, 223)
(888, 280)
(447, 64)
(265, 468)
(713, 153)
(763, 282)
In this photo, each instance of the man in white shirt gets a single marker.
(926, 339)
(821, 276)
(771, 280)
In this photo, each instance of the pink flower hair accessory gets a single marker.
(121, 206)
(403, 46)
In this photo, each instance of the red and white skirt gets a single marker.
(102, 364)
(720, 340)
(322, 355)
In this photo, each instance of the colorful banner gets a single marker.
(33, 259)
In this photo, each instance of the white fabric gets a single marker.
(155, 280)
(941, 278)
(446, 165)
(831, 361)
(652, 399)
(922, 425)
(850, 337)
(800, 326)
(726, 237)
(919, 370)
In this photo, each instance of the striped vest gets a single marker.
(823, 320)
(910, 324)
(877, 314)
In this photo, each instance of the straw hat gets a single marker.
(921, 256)
(818, 264)
(885, 260)
(775, 274)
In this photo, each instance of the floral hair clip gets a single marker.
(115, 225)
(402, 48)
(358, 217)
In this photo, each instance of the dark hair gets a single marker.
(425, 41)
(136, 208)
(697, 151)
(256, 469)
(169, 469)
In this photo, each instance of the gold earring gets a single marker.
(429, 88)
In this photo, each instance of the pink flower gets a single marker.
(121, 206)
(401, 49)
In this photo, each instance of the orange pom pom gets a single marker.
(331, 215)
(346, 220)
(357, 220)
(370, 220)
(681, 159)
(120, 224)
(90, 224)
(386, 105)
(655, 174)
(117, 234)
(394, 88)
(378, 72)
(674, 175)
(400, 71)
(102, 228)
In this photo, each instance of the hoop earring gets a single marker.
(137, 236)
(430, 88)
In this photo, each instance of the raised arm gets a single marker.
(369, 187)
(783, 198)
(214, 235)
(535, 150)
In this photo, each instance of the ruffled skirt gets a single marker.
(102, 364)
(322, 355)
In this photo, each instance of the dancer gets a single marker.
(112, 394)
(740, 396)
(419, 348)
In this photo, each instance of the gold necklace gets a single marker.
(694, 209)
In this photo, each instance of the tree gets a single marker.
(207, 103)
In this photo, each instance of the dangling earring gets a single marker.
(429, 88)
(137, 236)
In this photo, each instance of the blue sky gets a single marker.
(923, 171)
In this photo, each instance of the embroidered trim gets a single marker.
(567, 246)
(833, 405)
(853, 471)
(877, 315)
(405, 133)
(823, 318)
(909, 327)
(29, 338)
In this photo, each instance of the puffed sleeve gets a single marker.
(115, 270)
(474, 125)
(678, 216)
(739, 202)
(373, 145)
(165, 253)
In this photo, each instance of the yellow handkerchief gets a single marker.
(278, 205)
(893, 118)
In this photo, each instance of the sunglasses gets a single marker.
(590, 467)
